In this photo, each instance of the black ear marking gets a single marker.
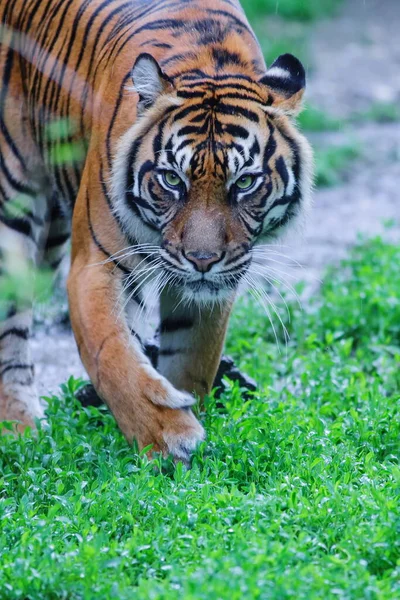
(286, 76)
(149, 81)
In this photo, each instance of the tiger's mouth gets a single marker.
(206, 287)
(204, 290)
(202, 285)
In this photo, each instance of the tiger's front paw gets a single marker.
(170, 432)
(161, 392)
(182, 434)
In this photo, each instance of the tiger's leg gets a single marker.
(191, 342)
(146, 406)
(18, 397)
(45, 246)
(23, 215)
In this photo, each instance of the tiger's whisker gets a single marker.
(270, 281)
(277, 276)
(265, 295)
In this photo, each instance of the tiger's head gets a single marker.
(213, 166)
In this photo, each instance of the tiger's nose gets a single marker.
(203, 261)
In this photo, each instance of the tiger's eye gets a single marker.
(245, 182)
(172, 179)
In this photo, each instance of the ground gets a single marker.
(353, 65)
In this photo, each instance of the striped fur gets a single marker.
(153, 132)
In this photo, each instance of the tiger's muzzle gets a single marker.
(204, 254)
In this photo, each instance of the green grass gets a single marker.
(333, 164)
(302, 10)
(294, 496)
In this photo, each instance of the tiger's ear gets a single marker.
(286, 80)
(149, 81)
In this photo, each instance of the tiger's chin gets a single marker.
(206, 291)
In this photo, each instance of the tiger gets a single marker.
(186, 157)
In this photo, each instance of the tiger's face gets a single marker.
(211, 172)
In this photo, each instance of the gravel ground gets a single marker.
(356, 60)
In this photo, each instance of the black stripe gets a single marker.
(157, 45)
(266, 196)
(170, 351)
(251, 230)
(194, 74)
(215, 79)
(281, 202)
(19, 225)
(117, 35)
(296, 153)
(179, 58)
(183, 144)
(280, 166)
(58, 240)
(224, 57)
(240, 24)
(270, 148)
(184, 112)
(133, 202)
(56, 263)
(99, 244)
(21, 332)
(228, 109)
(161, 24)
(5, 83)
(14, 183)
(133, 152)
(236, 131)
(254, 150)
(11, 312)
(146, 167)
(138, 201)
(105, 189)
(296, 195)
(250, 96)
(219, 107)
(170, 324)
(18, 366)
(35, 76)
